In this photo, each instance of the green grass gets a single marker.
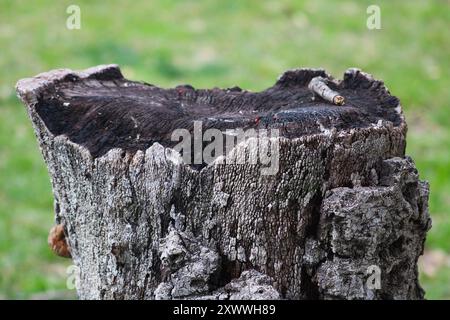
(214, 43)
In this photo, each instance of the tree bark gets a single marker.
(345, 203)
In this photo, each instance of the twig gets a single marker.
(318, 86)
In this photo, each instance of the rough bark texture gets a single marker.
(142, 224)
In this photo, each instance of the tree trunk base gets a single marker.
(344, 217)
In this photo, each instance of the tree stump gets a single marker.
(344, 216)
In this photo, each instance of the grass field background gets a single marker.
(216, 43)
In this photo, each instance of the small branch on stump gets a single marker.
(318, 85)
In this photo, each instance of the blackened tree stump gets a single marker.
(345, 207)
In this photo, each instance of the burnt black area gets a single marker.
(106, 111)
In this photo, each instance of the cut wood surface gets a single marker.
(142, 224)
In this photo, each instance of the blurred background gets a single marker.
(207, 44)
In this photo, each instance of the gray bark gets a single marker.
(144, 225)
